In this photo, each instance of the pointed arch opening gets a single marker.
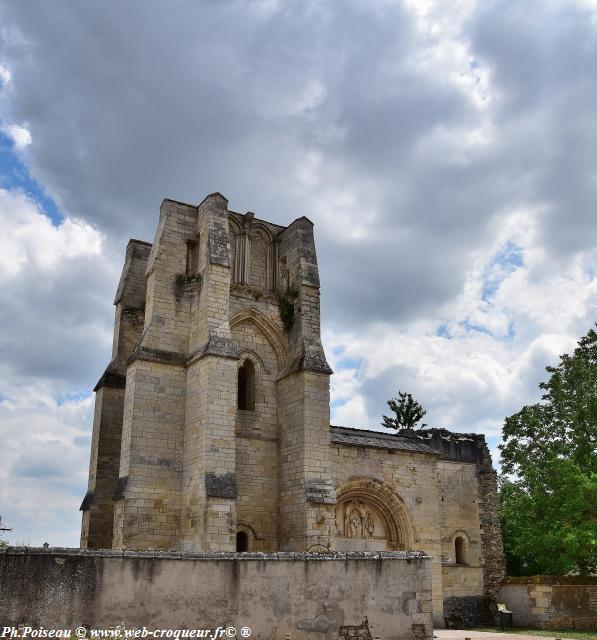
(270, 330)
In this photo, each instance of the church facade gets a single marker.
(212, 421)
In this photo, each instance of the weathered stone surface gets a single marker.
(275, 595)
(466, 611)
(320, 491)
(111, 378)
(120, 488)
(552, 602)
(220, 486)
(86, 503)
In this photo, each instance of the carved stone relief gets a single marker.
(358, 520)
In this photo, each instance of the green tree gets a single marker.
(548, 494)
(408, 412)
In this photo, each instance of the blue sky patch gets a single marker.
(73, 396)
(336, 404)
(501, 265)
(350, 363)
(469, 326)
(443, 332)
(14, 176)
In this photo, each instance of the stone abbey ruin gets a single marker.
(212, 421)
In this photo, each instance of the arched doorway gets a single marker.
(371, 517)
(242, 541)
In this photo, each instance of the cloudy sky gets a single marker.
(446, 152)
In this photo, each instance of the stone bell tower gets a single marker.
(211, 427)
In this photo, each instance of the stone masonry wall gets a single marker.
(98, 506)
(209, 478)
(548, 602)
(147, 510)
(413, 478)
(279, 596)
(459, 498)
(494, 567)
(471, 449)
(98, 514)
(257, 442)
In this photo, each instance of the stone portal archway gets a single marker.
(371, 517)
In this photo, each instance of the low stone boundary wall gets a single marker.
(550, 602)
(277, 595)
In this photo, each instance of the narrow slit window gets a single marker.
(459, 550)
(192, 265)
(246, 386)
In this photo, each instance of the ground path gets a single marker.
(450, 634)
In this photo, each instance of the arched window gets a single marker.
(246, 386)
(459, 550)
(242, 541)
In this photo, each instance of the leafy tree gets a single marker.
(408, 412)
(548, 495)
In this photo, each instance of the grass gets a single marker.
(574, 634)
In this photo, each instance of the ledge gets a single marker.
(278, 556)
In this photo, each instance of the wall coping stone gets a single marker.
(551, 580)
(279, 556)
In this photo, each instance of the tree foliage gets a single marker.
(548, 495)
(408, 412)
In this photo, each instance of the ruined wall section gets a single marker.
(494, 568)
(97, 506)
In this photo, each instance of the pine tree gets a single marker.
(408, 412)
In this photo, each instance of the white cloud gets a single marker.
(55, 298)
(19, 135)
(43, 464)
(52, 328)
(30, 240)
(5, 74)
(352, 413)
(476, 371)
